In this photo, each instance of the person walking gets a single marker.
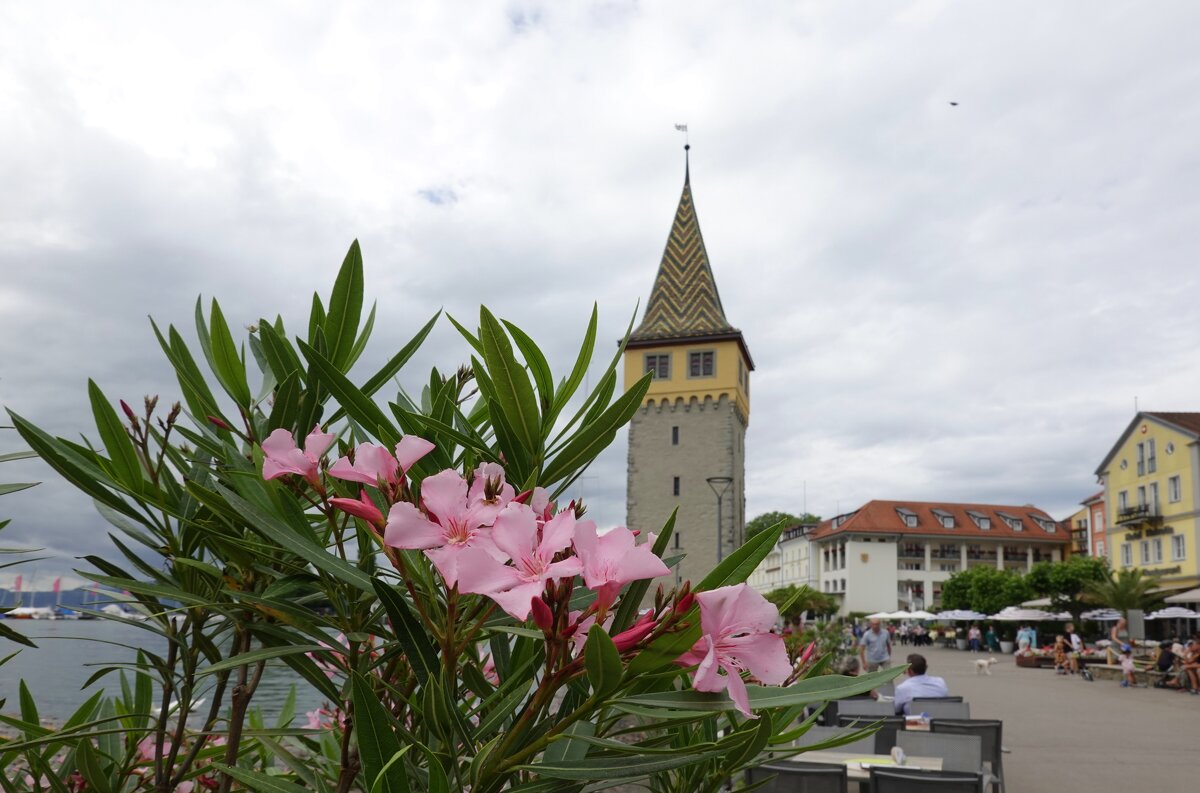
(991, 639)
(875, 647)
(974, 637)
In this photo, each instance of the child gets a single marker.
(1060, 655)
(1129, 681)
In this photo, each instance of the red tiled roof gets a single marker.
(1185, 421)
(1093, 498)
(883, 517)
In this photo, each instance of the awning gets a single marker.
(1191, 596)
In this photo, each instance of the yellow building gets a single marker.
(1151, 483)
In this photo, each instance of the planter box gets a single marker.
(1007, 647)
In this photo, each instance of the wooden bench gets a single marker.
(1113, 672)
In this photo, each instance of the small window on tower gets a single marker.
(700, 364)
(659, 365)
(677, 541)
(675, 486)
(674, 436)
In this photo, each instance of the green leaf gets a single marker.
(196, 393)
(29, 709)
(582, 362)
(602, 661)
(569, 746)
(802, 692)
(377, 741)
(287, 403)
(259, 782)
(227, 363)
(127, 468)
(538, 366)
(345, 308)
(591, 439)
(90, 767)
(284, 535)
(397, 362)
(592, 768)
(513, 389)
(279, 352)
(14, 636)
(357, 404)
(254, 656)
(411, 634)
(5, 489)
(4, 458)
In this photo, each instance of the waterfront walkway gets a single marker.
(1069, 735)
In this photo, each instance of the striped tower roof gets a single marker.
(684, 302)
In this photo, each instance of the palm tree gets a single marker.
(1124, 590)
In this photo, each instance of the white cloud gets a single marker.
(943, 301)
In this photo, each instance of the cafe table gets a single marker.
(858, 765)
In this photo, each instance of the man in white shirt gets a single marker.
(1076, 647)
(918, 684)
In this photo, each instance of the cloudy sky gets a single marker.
(944, 302)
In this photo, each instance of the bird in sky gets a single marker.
(954, 104)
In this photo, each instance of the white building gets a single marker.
(787, 563)
(896, 554)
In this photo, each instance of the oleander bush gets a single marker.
(411, 558)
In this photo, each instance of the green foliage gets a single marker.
(794, 602)
(985, 589)
(769, 520)
(1066, 583)
(1123, 590)
(428, 688)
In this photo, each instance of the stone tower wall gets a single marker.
(711, 443)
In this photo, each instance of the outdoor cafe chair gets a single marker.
(911, 780)
(885, 739)
(958, 752)
(829, 715)
(817, 735)
(795, 777)
(942, 710)
(989, 731)
(866, 707)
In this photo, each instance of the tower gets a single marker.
(687, 442)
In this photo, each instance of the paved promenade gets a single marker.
(1069, 735)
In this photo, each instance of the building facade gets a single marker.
(789, 563)
(1097, 522)
(687, 443)
(897, 554)
(1151, 480)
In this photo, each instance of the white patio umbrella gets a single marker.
(1101, 615)
(922, 615)
(899, 615)
(879, 615)
(1017, 614)
(1191, 596)
(1174, 613)
(960, 614)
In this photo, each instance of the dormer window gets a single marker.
(1014, 523)
(908, 516)
(982, 521)
(701, 364)
(944, 518)
(660, 365)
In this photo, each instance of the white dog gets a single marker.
(984, 666)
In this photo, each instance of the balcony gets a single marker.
(1142, 514)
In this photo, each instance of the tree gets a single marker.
(1123, 590)
(1066, 583)
(794, 601)
(984, 589)
(769, 520)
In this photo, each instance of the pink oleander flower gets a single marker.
(454, 518)
(612, 560)
(361, 507)
(282, 456)
(374, 465)
(736, 622)
(515, 533)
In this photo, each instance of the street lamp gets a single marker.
(720, 486)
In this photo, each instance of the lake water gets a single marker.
(68, 653)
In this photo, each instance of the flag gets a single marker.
(17, 586)
(681, 127)
(57, 585)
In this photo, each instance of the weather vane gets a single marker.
(683, 128)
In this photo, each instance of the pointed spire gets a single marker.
(684, 301)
